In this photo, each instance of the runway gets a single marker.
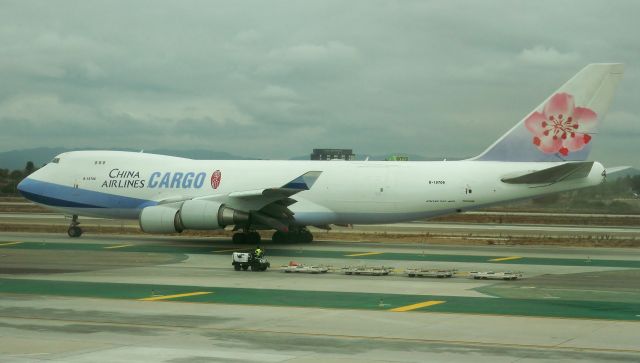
(512, 229)
(419, 227)
(132, 298)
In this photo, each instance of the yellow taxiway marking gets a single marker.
(417, 306)
(164, 297)
(365, 254)
(505, 258)
(119, 246)
(233, 250)
(9, 243)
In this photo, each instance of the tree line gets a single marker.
(9, 179)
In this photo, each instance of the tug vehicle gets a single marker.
(246, 260)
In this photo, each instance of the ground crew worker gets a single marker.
(259, 252)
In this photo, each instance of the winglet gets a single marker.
(304, 181)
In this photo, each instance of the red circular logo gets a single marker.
(215, 179)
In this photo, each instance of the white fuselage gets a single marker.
(115, 184)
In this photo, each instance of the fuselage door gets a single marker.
(76, 186)
(468, 194)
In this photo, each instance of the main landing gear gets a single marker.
(247, 237)
(301, 235)
(74, 231)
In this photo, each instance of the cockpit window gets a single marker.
(55, 160)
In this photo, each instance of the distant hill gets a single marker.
(17, 159)
(199, 154)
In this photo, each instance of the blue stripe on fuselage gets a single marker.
(57, 195)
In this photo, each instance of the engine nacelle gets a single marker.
(204, 214)
(193, 214)
(200, 214)
(160, 219)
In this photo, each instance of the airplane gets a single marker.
(545, 152)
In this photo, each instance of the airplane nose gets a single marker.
(34, 190)
(22, 186)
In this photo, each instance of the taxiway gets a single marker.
(419, 227)
(132, 298)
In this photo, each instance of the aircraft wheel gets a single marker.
(306, 236)
(279, 237)
(292, 237)
(239, 238)
(74, 232)
(253, 238)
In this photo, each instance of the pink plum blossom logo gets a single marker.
(561, 127)
(216, 177)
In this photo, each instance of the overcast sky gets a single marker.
(274, 79)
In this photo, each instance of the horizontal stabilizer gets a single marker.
(617, 169)
(567, 171)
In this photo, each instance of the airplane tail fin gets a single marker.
(565, 125)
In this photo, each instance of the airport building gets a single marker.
(333, 154)
(397, 158)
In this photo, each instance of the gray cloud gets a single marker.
(547, 56)
(275, 79)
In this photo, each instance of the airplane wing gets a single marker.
(269, 206)
(567, 171)
(303, 182)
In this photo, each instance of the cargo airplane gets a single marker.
(546, 152)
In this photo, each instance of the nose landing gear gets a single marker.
(74, 231)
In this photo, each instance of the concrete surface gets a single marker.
(41, 326)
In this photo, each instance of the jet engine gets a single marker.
(203, 214)
(160, 219)
(193, 214)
